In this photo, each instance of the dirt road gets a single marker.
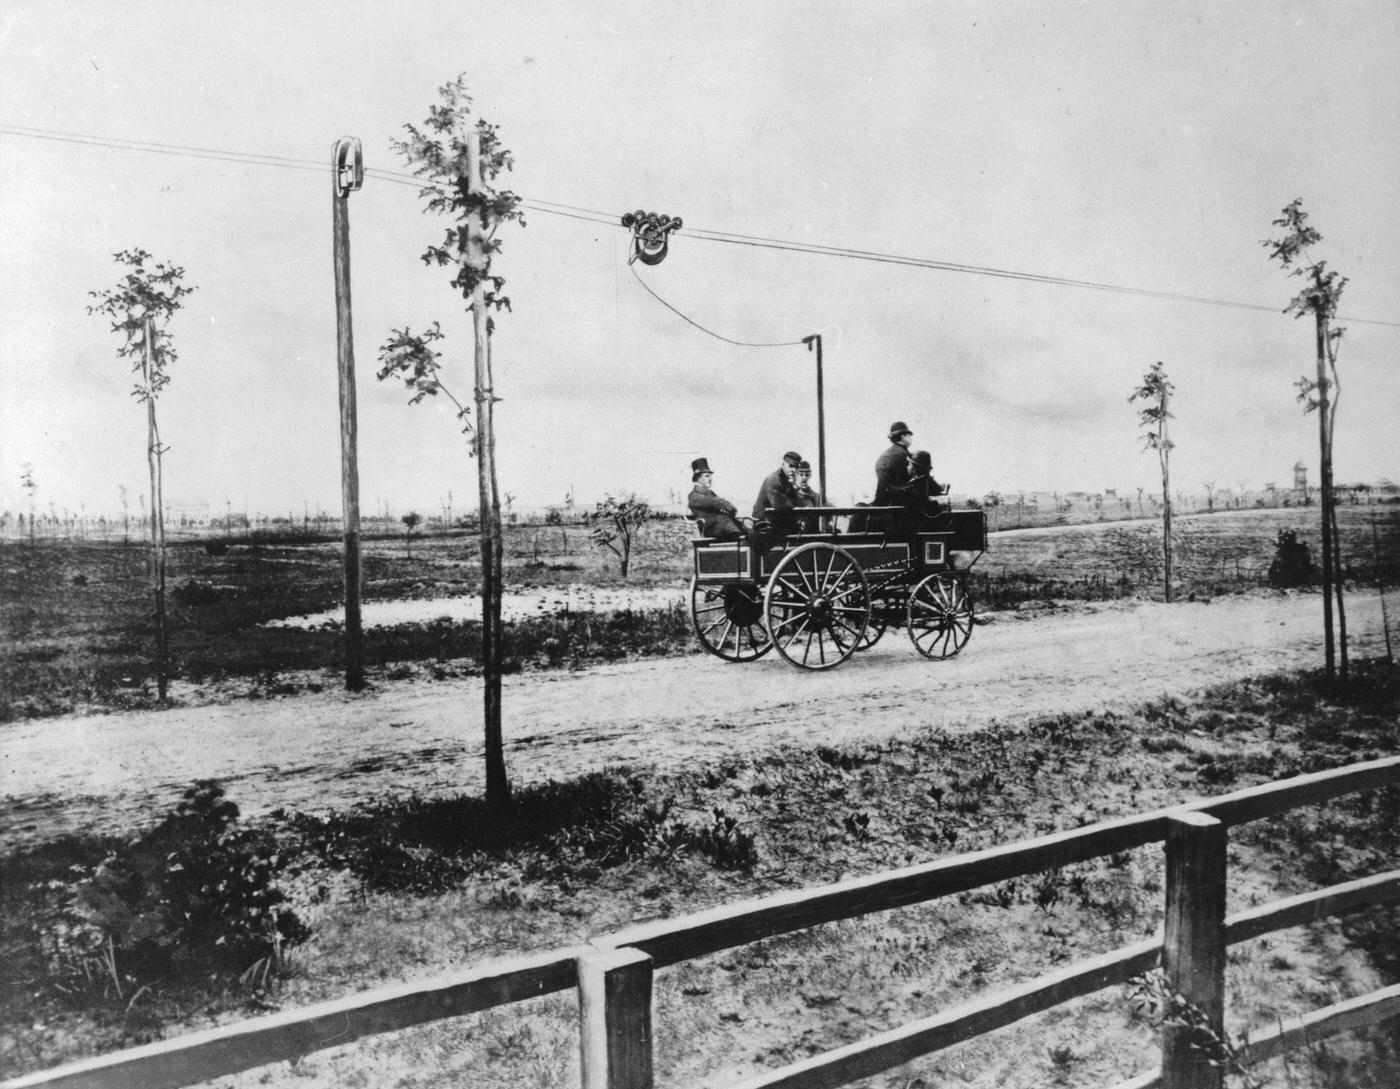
(319, 751)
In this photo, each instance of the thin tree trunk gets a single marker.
(1164, 452)
(154, 459)
(497, 783)
(1325, 472)
(1341, 605)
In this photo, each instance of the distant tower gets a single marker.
(1300, 481)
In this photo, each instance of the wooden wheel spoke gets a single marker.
(799, 593)
(855, 634)
(711, 627)
(795, 635)
(793, 619)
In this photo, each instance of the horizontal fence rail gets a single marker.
(672, 940)
(1012, 1004)
(1295, 1032)
(613, 974)
(202, 1056)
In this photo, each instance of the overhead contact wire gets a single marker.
(600, 218)
(686, 318)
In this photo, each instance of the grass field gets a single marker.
(77, 619)
(399, 888)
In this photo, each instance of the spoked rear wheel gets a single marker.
(939, 616)
(874, 628)
(817, 605)
(728, 621)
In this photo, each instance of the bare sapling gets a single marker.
(616, 524)
(140, 308)
(460, 157)
(26, 481)
(1320, 297)
(410, 523)
(1156, 390)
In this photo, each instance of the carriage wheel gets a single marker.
(817, 605)
(728, 621)
(939, 616)
(874, 628)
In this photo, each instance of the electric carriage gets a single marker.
(819, 597)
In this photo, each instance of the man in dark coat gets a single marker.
(921, 505)
(779, 494)
(892, 468)
(718, 517)
(806, 497)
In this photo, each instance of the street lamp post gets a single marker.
(816, 338)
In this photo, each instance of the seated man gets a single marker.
(920, 503)
(806, 497)
(892, 467)
(778, 494)
(717, 517)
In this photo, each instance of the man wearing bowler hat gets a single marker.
(892, 474)
(717, 517)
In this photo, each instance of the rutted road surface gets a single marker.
(113, 772)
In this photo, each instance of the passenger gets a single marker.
(806, 497)
(778, 494)
(892, 468)
(921, 502)
(718, 518)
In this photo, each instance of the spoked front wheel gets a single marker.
(817, 605)
(939, 616)
(728, 621)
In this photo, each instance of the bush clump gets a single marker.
(1292, 564)
(193, 895)
(598, 820)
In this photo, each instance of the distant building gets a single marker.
(1301, 494)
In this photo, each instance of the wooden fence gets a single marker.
(613, 975)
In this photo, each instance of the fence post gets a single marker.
(615, 1019)
(1193, 952)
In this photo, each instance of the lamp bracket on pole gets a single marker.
(348, 162)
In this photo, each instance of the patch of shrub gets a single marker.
(194, 894)
(1292, 563)
(422, 845)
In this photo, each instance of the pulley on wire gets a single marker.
(650, 235)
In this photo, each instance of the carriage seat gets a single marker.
(696, 526)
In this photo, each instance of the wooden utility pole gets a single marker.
(153, 462)
(497, 784)
(347, 174)
(821, 418)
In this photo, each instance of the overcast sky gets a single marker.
(1143, 145)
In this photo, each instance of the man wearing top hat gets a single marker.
(717, 517)
(779, 494)
(892, 475)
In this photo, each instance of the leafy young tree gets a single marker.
(140, 308)
(26, 481)
(410, 523)
(616, 524)
(1156, 390)
(459, 157)
(1319, 298)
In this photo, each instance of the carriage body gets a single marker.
(818, 597)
